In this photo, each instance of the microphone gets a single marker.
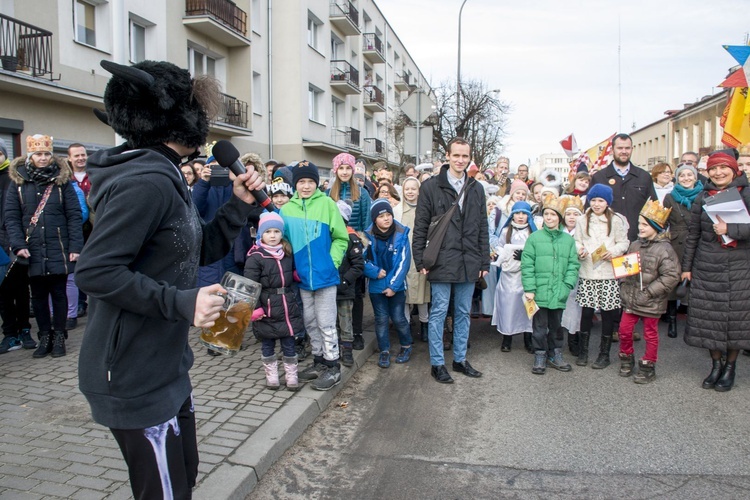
(228, 157)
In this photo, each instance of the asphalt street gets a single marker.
(396, 433)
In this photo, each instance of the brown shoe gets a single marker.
(616, 336)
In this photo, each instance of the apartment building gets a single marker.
(301, 79)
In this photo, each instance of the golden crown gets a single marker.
(573, 202)
(745, 150)
(208, 149)
(556, 204)
(38, 143)
(655, 212)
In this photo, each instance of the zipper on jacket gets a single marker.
(309, 253)
(283, 300)
(65, 260)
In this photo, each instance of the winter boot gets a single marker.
(313, 371)
(58, 344)
(540, 364)
(290, 373)
(448, 336)
(557, 362)
(300, 348)
(527, 342)
(637, 336)
(710, 381)
(271, 365)
(424, 331)
(45, 345)
(616, 336)
(359, 342)
(475, 308)
(646, 372)
(507, 343)
(328, 379)
(583, 349)
(347, 356)
(726, 381)
(602, 361)
(26, 341)
(626, 364)
(573, 343)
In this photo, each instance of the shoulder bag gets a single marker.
(437, 229)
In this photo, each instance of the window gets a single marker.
(257, 94)
(85, 22)
(314, 96)
(313, 31)
(707, 134)
(255, 16)
(137, 42)
(719, 132)
(337, 112)
(696, 137)
(200, 63)
(337, 47)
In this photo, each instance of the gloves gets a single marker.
(517, 254)
(258, 314)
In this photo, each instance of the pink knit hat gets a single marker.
(516, 185)
(342, 159)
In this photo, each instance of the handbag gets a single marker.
(436, 232)
(32, 225)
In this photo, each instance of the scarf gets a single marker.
(5, 164)
(519, 227)
(170, 153)
(383, 235)
(43, 176)
(685, 196)
(733, 244)
(276, 251)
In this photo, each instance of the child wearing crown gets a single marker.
(644, 297)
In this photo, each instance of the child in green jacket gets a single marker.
(549, 271)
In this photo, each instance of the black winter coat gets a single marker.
(59, 231)
(283, 317)
(351, 268)
(720, 288)
(465, 250)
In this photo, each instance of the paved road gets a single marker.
(511, 434)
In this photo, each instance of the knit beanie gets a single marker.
(4, 149)
(380, 206)
(600, 191)
(342, 159)
(270, 220)
(305, 170)
(716, 159)
(682, 167)
(345, 209)
(518, 184)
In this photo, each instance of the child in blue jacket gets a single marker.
(387, 261)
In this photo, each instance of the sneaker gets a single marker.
(347, 356)
(557, 362)
(385, 359)
(359, 342)
(10, 344)
(404, 355)
(71, 323)
(26, 341)
(330, 378)
(312, 372)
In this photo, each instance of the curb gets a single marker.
(239, 474)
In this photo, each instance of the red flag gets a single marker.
(569, 145)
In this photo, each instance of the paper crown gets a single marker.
(38, 144)
(744, 150)
(556, 204)
(573, 202)
(208, 149)
(656, 213)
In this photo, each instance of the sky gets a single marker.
(556, 63)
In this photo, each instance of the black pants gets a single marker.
(162, 460)
(14, 300)
(359, 305)
(42, 287)
(608, 320)
(545, 326)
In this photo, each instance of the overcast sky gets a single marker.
(556, 62)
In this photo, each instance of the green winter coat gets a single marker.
(549, 267)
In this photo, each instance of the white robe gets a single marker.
(509, 315)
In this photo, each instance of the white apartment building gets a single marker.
(301, 78)
(550, 161)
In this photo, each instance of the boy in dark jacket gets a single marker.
(350, 270)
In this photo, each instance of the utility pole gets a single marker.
(458, 71)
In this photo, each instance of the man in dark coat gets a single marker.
(631, 186)
(464, 255)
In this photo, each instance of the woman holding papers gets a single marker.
(717, 261)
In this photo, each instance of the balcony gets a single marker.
(374, 100)
(372, 48)
(345, 17)
(347, 138)
(232, 111)
(220, 20)
(374, 148)
(403, 82)
(25, 48)
(344, 77)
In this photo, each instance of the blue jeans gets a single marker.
(441, 295)
(393, 308)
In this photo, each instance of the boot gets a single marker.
(527, 342)
(506, 344)
(573, 346)
(602, 361)
(710, 381)
(475, 308)
(616, 336)
(45, 345)
(636, 336)
(583, 349)
(540, 363)
(672, 319)
(290, 373)
(557, 362)
(627, 362)
(359, 342)
(271, 365)
(646, 372)
(448, 338)
(726, 381)
(58, 344)
(423, 331)
(347, 357)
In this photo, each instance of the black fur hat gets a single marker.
(155, 102)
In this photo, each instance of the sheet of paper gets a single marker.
(596, 255)
(531, 307)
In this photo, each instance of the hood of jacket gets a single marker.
(18, 171)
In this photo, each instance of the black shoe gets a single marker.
(506, 343)
(81, 310)
(465, 368)
(440, 374)
(424, 332)
(45, 345)
(726, 381)
(71, 323)
(672, 329)
(58, 345)
(359, 342)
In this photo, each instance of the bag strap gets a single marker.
(38, 211)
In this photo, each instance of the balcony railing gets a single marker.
(343, 72)
(344, 8)
(233, 111)
(346, 137)
(374, 146)
(224, 11)
(374, 95)
(372, 47)
(24, 47)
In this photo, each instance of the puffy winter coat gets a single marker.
(282, 315)
(59, 231)
(417, 286)
(549, 267)
(660, 271)
(465, 250)
(678, 224)
(616, 242)
(351, 268)
(360, 217)
(720, 287)
(397, 248)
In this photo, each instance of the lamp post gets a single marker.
(458, 71)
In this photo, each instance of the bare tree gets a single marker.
(480, 120)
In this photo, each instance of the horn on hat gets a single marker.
(134, 76)
(102, 115)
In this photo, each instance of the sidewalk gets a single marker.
(50, 447)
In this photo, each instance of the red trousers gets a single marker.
(650, 335)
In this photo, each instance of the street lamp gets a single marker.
(458, 71)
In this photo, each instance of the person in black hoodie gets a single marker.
(139, 269)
